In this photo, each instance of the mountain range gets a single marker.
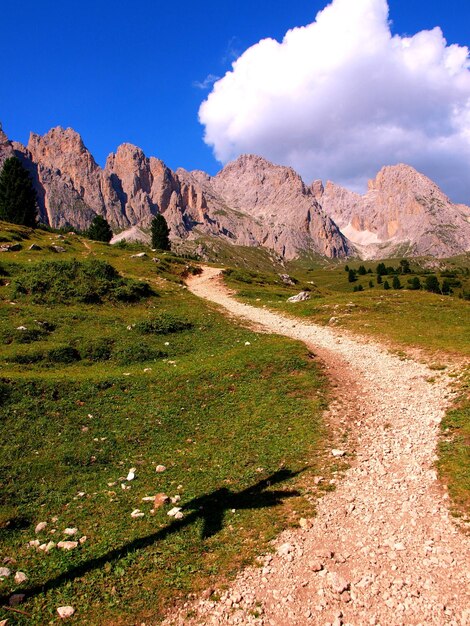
(250, 202)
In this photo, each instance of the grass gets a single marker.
(90, 389)
(454, 451)
(432, 322)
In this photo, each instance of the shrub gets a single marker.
(96, 349)
(62, 354)
(90, 282)
(163, 324)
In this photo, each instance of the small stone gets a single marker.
(4, 572)
(338, 583)
(300, 297)
(247, 343)
(3, 622)
(338, 453)
(82, 540)
(34, 543)
(136, 513)
(49, 546)
(315, 565)
(20, 577)
(285, 549)
(305, 523)
(70, 531)
(41, 526)
(175, 499)
(131, 474)
(178, 515)
(160, 468)
(172, 512)
(67, 545)
(65, 611)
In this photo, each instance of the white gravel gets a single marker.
(383, 549)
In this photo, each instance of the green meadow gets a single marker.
(109, 364)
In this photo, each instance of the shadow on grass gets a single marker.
(211, 508)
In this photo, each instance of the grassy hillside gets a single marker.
(439, 325)
(405, 317)
(109, 364)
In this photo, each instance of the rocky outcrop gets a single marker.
(403, 211)
(251, 202)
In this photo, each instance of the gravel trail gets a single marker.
(382, 549)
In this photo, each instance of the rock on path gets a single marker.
(382, 549)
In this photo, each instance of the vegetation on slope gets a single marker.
(91, 389)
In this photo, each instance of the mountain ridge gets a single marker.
(250, 202)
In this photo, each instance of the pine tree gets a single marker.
(160, 233)
(18, 200)
(432, 284)
(396, 283)
(100, 230)
(352, 276)
(386, 285)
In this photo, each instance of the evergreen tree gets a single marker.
(352, 276)
(362, 270)
(379, 279)
(405, 266)
(432, 284)
(160, 233)
(396, 283)
(381, 269)
(386, 285)
(100, 230)
(346, 268)
(446, 287)
(18, 201)
(415, 283)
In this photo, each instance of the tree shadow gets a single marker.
(211, 508)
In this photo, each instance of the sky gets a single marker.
(335, 92)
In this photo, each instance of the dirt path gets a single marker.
(382, 549)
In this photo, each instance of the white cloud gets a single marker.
(342, 97)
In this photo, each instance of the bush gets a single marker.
(64, 282)
(163, 324)
(62, 354)
(96, 350)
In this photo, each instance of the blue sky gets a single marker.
(127, 72)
